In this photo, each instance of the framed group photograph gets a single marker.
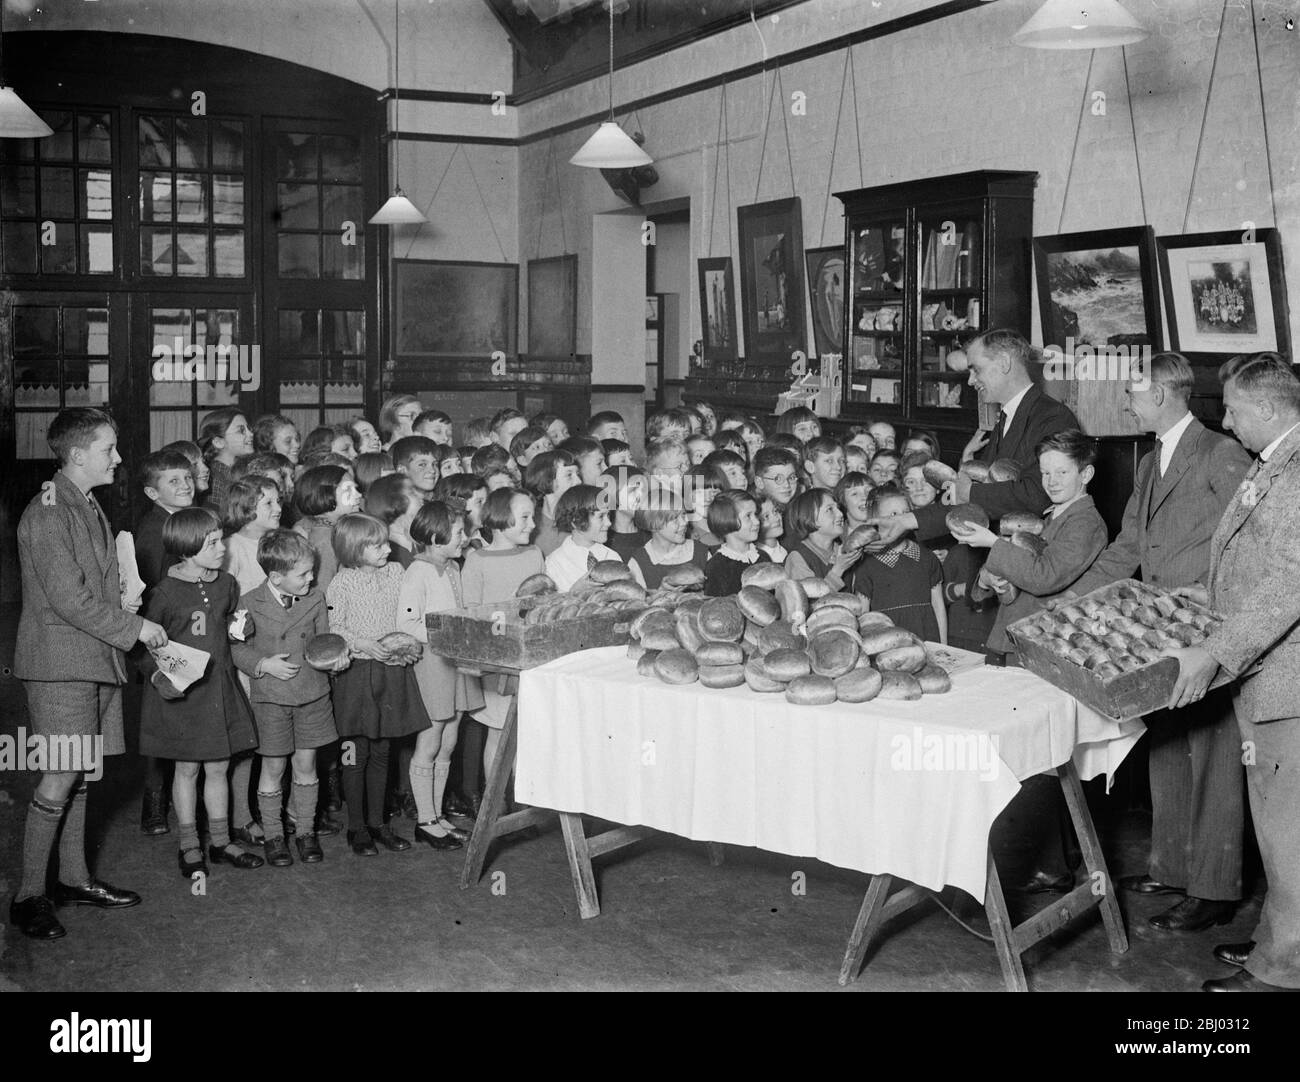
(826, 283)
(771, 281)
(553, 306)
(450, 310)
(718, 309)
(1099, 288)
(1225, 293)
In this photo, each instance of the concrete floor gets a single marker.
(669, 920)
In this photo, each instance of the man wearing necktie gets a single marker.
(1181, 490)
(1254, 568)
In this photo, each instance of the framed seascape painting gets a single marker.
(718, 309)
(1225, 293)
(826, 280)
(553, 306)
(447, 310)
(771, 281)
(1098, 289)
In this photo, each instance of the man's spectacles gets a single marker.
(778, 480)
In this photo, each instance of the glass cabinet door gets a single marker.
(951, 302)
(876, 334)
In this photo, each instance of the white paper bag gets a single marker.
(128, 574)
(182, 664)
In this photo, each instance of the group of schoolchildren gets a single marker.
(361, 530)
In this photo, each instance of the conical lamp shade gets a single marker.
(17, 121)
(610, 147)
(1079, 24)
(398, 211)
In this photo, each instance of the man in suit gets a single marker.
(72, 635)
(1254, 568)
(1197, 794)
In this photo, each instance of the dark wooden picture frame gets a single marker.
(827, 308)
(1225, 294)
(1099, 284)
(553, 306)
(771, 281)
(454, 310)
(718, 309)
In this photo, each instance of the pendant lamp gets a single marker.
(398, 210)
(1079, 24)
(17, 121)
(610, 147)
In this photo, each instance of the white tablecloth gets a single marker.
(905, 788)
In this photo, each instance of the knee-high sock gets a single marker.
(241, 776)
(188, 836)
(304, 796)
(440, 772)
(377, 781)
(72, 842)
(270, 807)
(354, 782)
(43, 819)
(219, 832)
(422, 788)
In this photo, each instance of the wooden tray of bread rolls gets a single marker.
(1104, 648)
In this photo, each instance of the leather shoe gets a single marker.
(435, 842)
(35, 918)
(394, 843)
(1243, 982)
(455, 804)
(309, 851)
(189, 867)
(1234, 954)
(245, 835)
(326, 825)
(100, 895)
(153, 813)
(452, 829)
(1144, 884)
(238, 859)
(1046, 883)
(277, 852)
(362, 843)
(1193, 915)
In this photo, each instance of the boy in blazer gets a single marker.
(1254, 566)
(291, 700)
(72, 635)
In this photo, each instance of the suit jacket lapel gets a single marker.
(997, 441)
(269, 609)
(89, 519)
(1251, 491)
(1161, 487)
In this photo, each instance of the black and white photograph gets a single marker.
(589, 496)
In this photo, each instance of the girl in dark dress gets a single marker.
(211, 721)
(733, 516)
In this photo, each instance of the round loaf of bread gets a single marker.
(1019, 520)
(824, 619)
(966, 514)
(933, 680)
(815, 588)
(892, 638)
(978, 472)
(583, 588)
(688, 631)
(325, 651)
(810, 691)
(764, 576)
(645, 665)
(625, 590)
(719, 653)
(779, 636)
(541, 583)
(635, 650)
(833, 653)
(758, 605)
(902, 659)
(858, 685)
(690, 603)
(899, 685)
(722, 676)
(874, 621)
(685, 577)
(606, 571)
(650, 620)
(793, 602)
(1030, 542)
(721, 620)
(938, 473)
(787, 665)
(677, 667)
(1004, 469)
(862, 539)
(660, 638)
(757, 679)
(840, 599)
(402, 647)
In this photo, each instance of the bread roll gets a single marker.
(978, 472)
(1004, 469)
(938, 473)
(764, 576)
(839, 599)
(583, 588)
(793, 602)
(720, 653)
(1149, 615)
(779, 636)
(1146, 654)
(810, 691)
(1166, 605)
(899, 685)
(1161, 640)
(965, 514)
(859, 685)
(688, 631)
(1107, 669)
(786, 665)
(758, 605)
(541, 583)
(1019, 520)
(902, 659)
(635, 650)
(722, 676)
(720, 620)
(685, 577)
(1185, 616)
(1023, 539)
(677, 667)
(814, 589)
(894, 638)
(325, 651)
(862, 539)
(757, 679)
(1187, 634)
(934, 680)
(657, 638)
(874, 621)
(625, 590)
(833, 653)
(650, 620)
(690, 603)
(823, 619)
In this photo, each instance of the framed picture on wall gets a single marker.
(1098, 288)
(771, 281)
(1225, 293)
(826, 280)
(451, 310)
(553, 306)
(718, 309)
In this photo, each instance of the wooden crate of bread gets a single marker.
(499, 635)
(1104, 648)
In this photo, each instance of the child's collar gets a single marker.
(177, 571)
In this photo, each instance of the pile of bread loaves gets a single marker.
(780, 635)
(607, 589)
(1118, 629)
